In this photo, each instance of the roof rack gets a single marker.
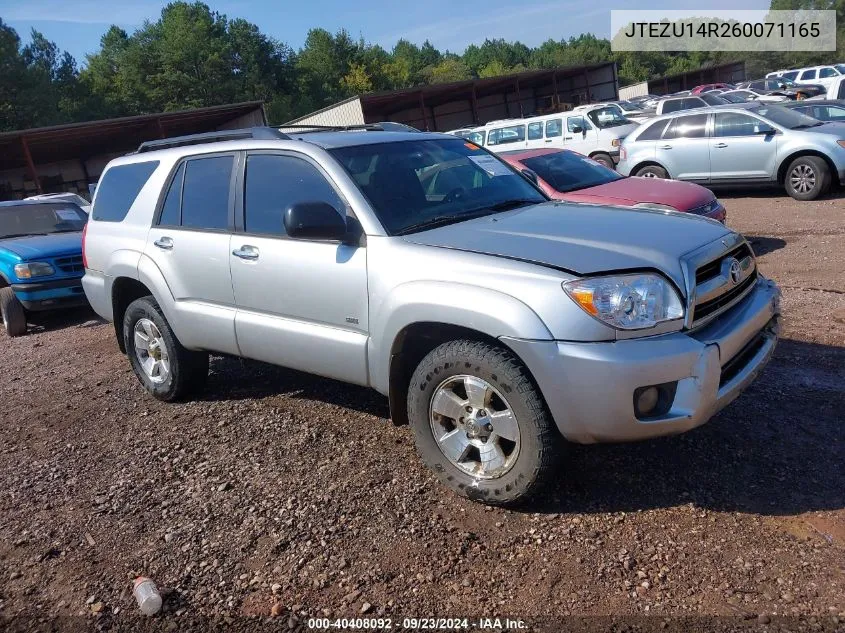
(259, 133)
(384, 126)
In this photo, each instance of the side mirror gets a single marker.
(764, 130)
(577, 129)
(531, 175)
(314, 221)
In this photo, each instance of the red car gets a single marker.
(699, 89)
(566, 175)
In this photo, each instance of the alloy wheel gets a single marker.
(151, 351)
(474, 426)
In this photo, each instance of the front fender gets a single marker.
(486, 311)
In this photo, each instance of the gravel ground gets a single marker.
(277, 496)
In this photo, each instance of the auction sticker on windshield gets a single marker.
(491, 165)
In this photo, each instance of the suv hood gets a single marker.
(52, 245)
(581, 239)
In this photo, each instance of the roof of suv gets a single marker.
(329, 140)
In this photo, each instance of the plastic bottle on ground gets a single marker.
(147, 595)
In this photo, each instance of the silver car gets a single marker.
(749, 143)
(422, 266)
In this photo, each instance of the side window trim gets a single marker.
(236, 158)
(240, 217)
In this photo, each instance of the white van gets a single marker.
(596, 132)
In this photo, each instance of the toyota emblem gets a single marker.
(735, 271)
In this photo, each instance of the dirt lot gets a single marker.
(281, 492)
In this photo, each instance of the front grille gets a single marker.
(703, 310)
(70, 264)
(712, 269)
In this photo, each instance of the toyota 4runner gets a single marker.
(422, 266)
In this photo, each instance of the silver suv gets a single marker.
(739, 144)
(426, 268)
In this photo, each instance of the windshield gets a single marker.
(40, 219)
(785, 117)
(609, 116)
(629, 106)
(414, 185)
(568, 171)
(735, 97)
(840, 68)
(711, 99)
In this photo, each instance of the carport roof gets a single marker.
(85, 140)
(395, 100)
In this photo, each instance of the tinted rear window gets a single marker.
(118, 189)
(205, 193)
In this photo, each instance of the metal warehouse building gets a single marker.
(724, 73)
(69, 157)
(442, 107)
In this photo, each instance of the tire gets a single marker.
(652, 171)
(532, 458)
(807, 178)
(180, 372)
(14, 317)
(605, 160)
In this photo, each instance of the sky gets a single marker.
(77, 25)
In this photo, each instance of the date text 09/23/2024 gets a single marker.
(416, 624)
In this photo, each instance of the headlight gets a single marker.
(654, 205)
(33, 269)
(627, 302)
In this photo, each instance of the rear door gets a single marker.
(739, 148)
(189, 242)
(534, 138)
(554, 132)
(684, 149)
(301, 303)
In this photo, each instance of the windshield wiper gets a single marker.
(13, 235)
(804, 126)
(442, 220)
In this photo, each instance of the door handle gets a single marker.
(720, 145)
(246, 252)
(567, 138)
(665, 147)
(164, 243)
(548, 140)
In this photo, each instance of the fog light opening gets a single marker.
(647, 400)
(653, 401)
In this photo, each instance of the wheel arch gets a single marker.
(784, 164)
(422, 315)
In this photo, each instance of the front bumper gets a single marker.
(589, 387)
(50, 295)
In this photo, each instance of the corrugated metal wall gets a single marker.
(347, 112)
(636, 90)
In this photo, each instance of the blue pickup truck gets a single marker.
(41, 264)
